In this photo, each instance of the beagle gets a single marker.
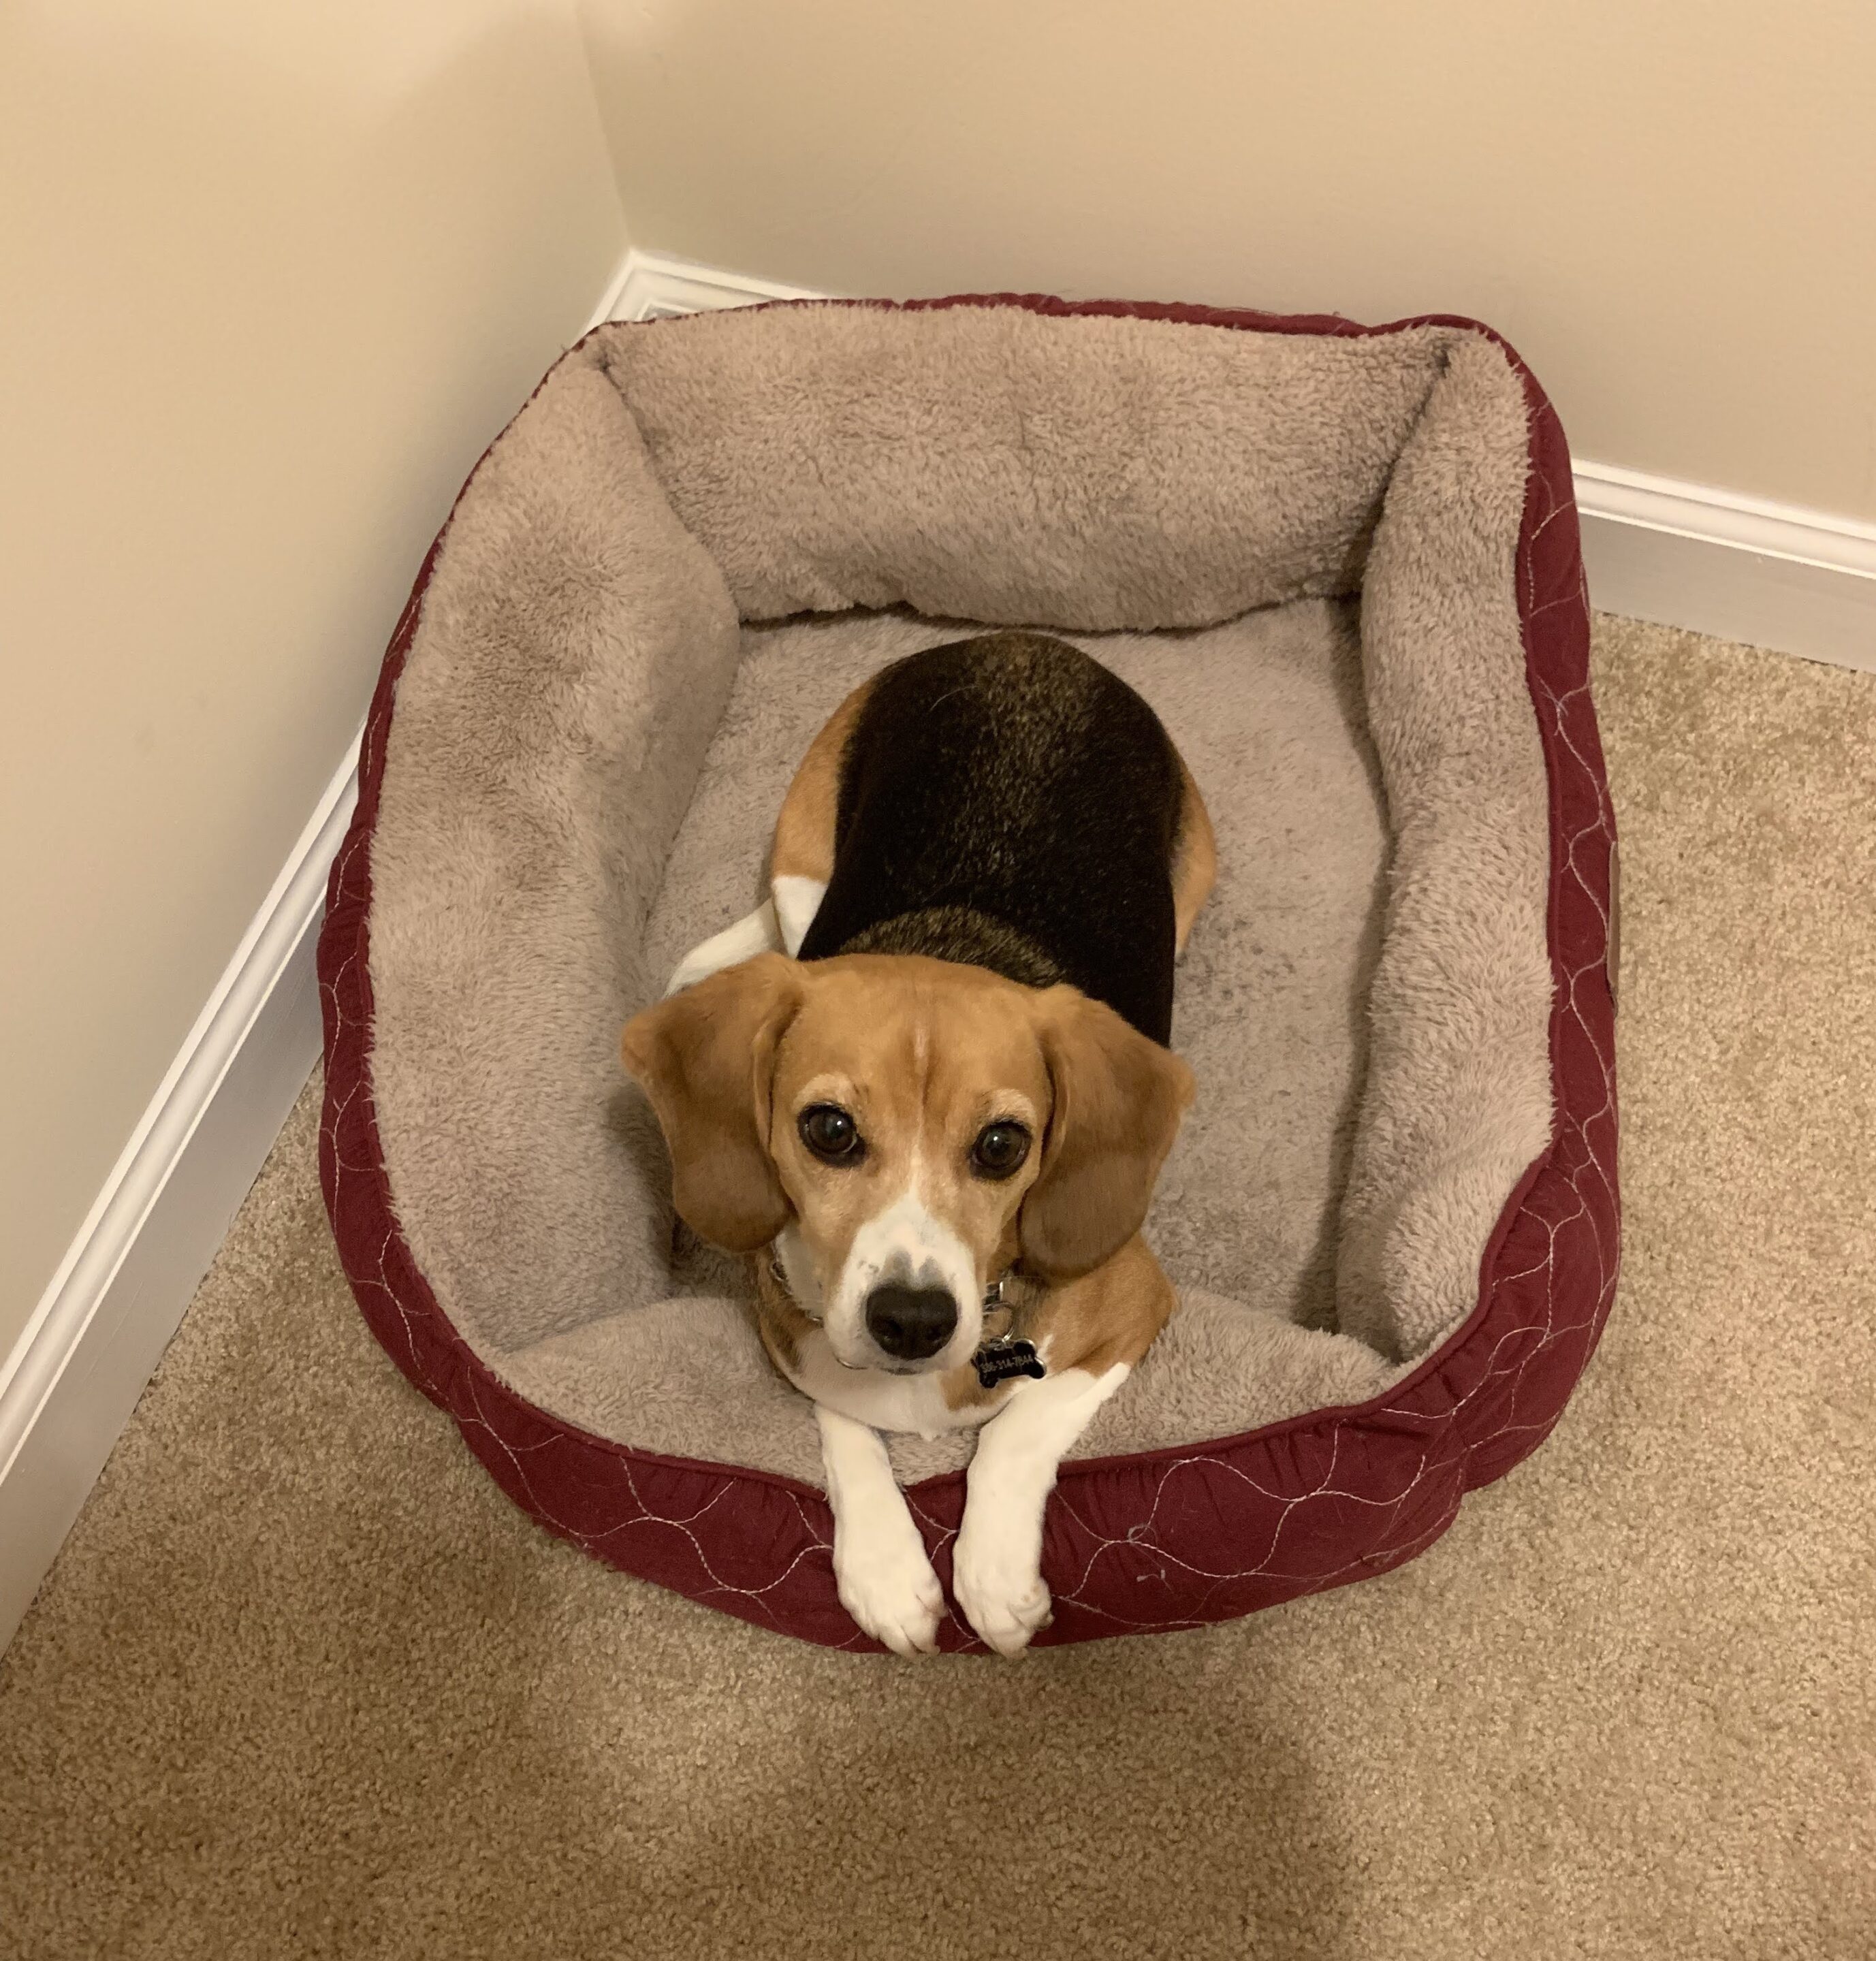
(926, 1087)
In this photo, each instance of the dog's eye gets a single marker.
(830, 1133)
(1000, 1150)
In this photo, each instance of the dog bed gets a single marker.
(1342, 563)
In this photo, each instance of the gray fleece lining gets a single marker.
(1300, 549)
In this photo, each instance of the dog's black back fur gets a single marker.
(1007, 802)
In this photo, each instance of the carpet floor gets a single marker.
(303, 1683)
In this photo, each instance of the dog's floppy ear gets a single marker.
(1118, 1099)
(705, 1057)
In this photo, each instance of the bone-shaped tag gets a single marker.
(997, 1361)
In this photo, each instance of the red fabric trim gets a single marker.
(1168, 1538)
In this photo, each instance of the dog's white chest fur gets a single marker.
(914, 1403)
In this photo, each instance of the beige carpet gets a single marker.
(303, 1683)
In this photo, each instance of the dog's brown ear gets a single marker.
(1118, 1099)
(705, 1057)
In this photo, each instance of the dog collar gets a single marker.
(1002, 1360)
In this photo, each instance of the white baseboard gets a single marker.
(651, 285)
(1772, 576)
(100, 1329)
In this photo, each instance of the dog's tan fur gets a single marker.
(1112, 1315)
(923, 1054)
(1195, 859)
(804, 829)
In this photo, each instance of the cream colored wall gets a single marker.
(1667, 208)
(272, 277)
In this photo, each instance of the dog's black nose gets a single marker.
(910, 1323)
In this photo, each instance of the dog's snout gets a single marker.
(910, 1323)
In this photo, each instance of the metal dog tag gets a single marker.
(997, 1361)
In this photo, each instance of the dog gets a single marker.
(927, 1087)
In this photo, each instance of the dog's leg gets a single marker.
(758, 932)
(884, 1580)
(1195, 860)
(796, 901)
(997, 1566)
(801, 859)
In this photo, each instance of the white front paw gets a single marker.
(996, 1573)
(886, 1583)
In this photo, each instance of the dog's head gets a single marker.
(905, 1127)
